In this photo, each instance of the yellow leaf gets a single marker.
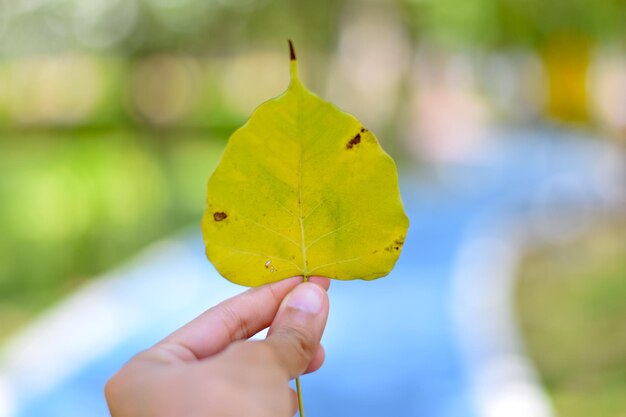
(303, 189)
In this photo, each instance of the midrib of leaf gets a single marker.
(305, 267)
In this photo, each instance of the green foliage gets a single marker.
(497, 23)
(303, 189)
(572, 311)
(75, 204)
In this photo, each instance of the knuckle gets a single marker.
(113, 388)
(109, 388)
(117, 384)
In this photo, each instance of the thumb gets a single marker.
(297, 328)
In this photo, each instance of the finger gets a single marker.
(297, 328)
(237, 318)
(317, 361)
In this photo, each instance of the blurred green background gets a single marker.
(572, 310)
(114, 112)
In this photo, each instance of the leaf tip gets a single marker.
(292, 53)
(294, 65)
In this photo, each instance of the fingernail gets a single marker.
(307, 298)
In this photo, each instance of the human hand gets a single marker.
(208, 368)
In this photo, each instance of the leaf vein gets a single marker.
(343, 261)
(300, 218)
(262, 255)
(269, 229)
(325, 200)
(330, 233)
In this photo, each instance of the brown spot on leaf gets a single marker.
(396, 245)
(354, 141)
(363, 130)
(218, 216)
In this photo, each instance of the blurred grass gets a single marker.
(76, 203)
(572, 307)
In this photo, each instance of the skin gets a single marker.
(208, 368)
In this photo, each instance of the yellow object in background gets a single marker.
(567, 57)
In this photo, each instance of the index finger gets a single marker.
(240, 317)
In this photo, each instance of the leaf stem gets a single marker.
(299, 391)
(298, 387)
